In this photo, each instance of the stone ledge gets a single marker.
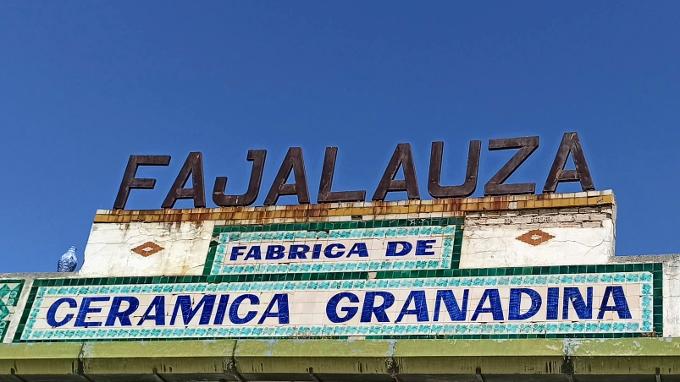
(397, 209)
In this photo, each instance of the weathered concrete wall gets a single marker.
(671, 297)
(538, 237)
(580, 228)
(147, 248)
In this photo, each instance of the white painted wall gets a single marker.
(109, 249)
(671, 297)
(498, 246)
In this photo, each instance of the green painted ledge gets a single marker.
(40, 360)
(338, 360)
(157, 357)
(274, 359)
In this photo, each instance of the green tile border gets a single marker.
(445, 233)
(211, 268)
(654, 268)
(4, 323)
(505, 328)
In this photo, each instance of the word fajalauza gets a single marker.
(402, 158)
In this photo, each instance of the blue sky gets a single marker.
(85, 84)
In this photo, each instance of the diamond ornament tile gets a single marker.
(147, 249)
(535, 237)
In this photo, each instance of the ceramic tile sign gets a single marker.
(335, 250)
(592, 303)
(9, 296)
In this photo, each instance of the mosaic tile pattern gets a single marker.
(644, 279)
(353, 275)
(446, 233)
(449, 227)
(10, 291)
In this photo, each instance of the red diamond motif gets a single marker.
(535, 237)
(147, 249)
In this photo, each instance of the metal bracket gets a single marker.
(392, 367)
(233, 370)
(155, 374)
(81, 365)
(478, 375)
(313, 376)
(567, 368)
(13, 375)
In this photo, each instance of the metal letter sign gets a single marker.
(401, 158)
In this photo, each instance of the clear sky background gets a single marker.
(85, 84)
